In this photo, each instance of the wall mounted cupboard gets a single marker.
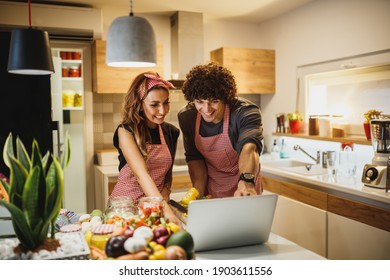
(117, 80)
(254, 69)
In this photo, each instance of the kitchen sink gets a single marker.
(285, 163)
(298, 167)
(307, 171)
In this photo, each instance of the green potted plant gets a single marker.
(35, 191)
(295, 121)
(368, 116)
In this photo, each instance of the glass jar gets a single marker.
(74, 72)
(65, 71)
(150, 209)
(100, 235)
(120, 209)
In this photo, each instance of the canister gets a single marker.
(325, 156)
(313, 126)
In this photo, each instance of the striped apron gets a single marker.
(221, 160)
(158, 163)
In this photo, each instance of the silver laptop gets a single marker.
(230, 222)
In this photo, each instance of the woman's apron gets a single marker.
(158, 163)
(221, 159)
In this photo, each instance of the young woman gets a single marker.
(222, 134)
(146, 144)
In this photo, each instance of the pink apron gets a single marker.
(158, 163)
(221, 160)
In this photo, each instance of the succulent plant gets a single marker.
(35, 190)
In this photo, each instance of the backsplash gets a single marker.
(107, 116)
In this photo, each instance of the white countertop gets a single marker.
(349, 185)
(276, 248)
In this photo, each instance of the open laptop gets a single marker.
(230, 222)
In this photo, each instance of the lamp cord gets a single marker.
(131, 8)
(29, 14)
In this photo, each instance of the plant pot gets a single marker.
(295, 126)
(367, 130)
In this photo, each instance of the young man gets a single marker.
(222, 134)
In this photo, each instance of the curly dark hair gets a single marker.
(210, 81)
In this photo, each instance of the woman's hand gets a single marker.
(170, 216)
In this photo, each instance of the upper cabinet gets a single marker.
(254, 69)
(108, 79)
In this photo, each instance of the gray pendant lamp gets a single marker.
(131, 42)
(29, 52)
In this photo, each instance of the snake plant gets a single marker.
(35, 190)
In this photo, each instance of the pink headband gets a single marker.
(152, 81)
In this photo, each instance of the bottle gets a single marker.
(284, 153)
(275, 153)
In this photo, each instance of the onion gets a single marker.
(175, 252)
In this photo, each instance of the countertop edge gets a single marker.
(377, 197)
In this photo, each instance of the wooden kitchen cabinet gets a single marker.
(117, 79)
(300, 215)
(353, 240)
(181, 182)
(330, 225)
(254, 69)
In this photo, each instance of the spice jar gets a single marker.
(74, 72)
(100, 235)
(120, 209)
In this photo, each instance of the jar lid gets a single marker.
(70, 228)
(103, 229)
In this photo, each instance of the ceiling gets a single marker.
(246, 11)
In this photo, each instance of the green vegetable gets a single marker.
(35, 190)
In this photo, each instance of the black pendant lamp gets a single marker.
(131, 42)
(30, 52)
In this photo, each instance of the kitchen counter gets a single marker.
(348, 187)
(276, 248)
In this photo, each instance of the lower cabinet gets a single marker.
(353, 240)
(329, 225)
(181, 182)
(300, 214)
(303, 224)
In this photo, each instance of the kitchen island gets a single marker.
(276, 248)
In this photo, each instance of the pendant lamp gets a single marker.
(131, 42)
(30, 52)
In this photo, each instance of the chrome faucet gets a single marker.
(317, 160)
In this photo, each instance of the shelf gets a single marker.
(357, 140)
(78, 79)
(70, 61)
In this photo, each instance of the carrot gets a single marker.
(141, 255)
